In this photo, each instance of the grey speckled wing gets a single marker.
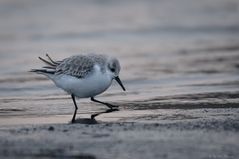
(99, 59)
(77, 66)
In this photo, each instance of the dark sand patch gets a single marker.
(200, 138)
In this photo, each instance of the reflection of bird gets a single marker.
(83, 76)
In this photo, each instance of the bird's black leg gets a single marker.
(74, 101)
(107, 104)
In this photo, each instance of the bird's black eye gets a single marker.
(112, 69)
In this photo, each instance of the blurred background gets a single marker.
(171, 51)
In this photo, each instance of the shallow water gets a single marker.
(174, 54)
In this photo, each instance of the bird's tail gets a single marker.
(42, 71)
(49, 69)
(50, 62)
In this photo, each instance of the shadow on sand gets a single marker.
(92, 120)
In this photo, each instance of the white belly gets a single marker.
(85, 87)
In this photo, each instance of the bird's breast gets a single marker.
(89, 86)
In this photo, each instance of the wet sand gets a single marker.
(179, 65)
(207, 133)
(164, 133)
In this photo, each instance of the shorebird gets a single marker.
(83, 76)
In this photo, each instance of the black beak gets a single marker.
(120, 83)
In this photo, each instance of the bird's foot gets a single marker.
(113, 109)
(112, 106)
(73, 121)
(104, 112)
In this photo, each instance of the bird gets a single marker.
(83, 76)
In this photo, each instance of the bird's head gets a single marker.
(114, 68)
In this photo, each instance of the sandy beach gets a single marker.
(180, 67)
(197, 133)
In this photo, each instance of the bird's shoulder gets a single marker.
(78, 66)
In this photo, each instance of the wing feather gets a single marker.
(77, 66)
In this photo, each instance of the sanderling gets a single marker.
(82, 76)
